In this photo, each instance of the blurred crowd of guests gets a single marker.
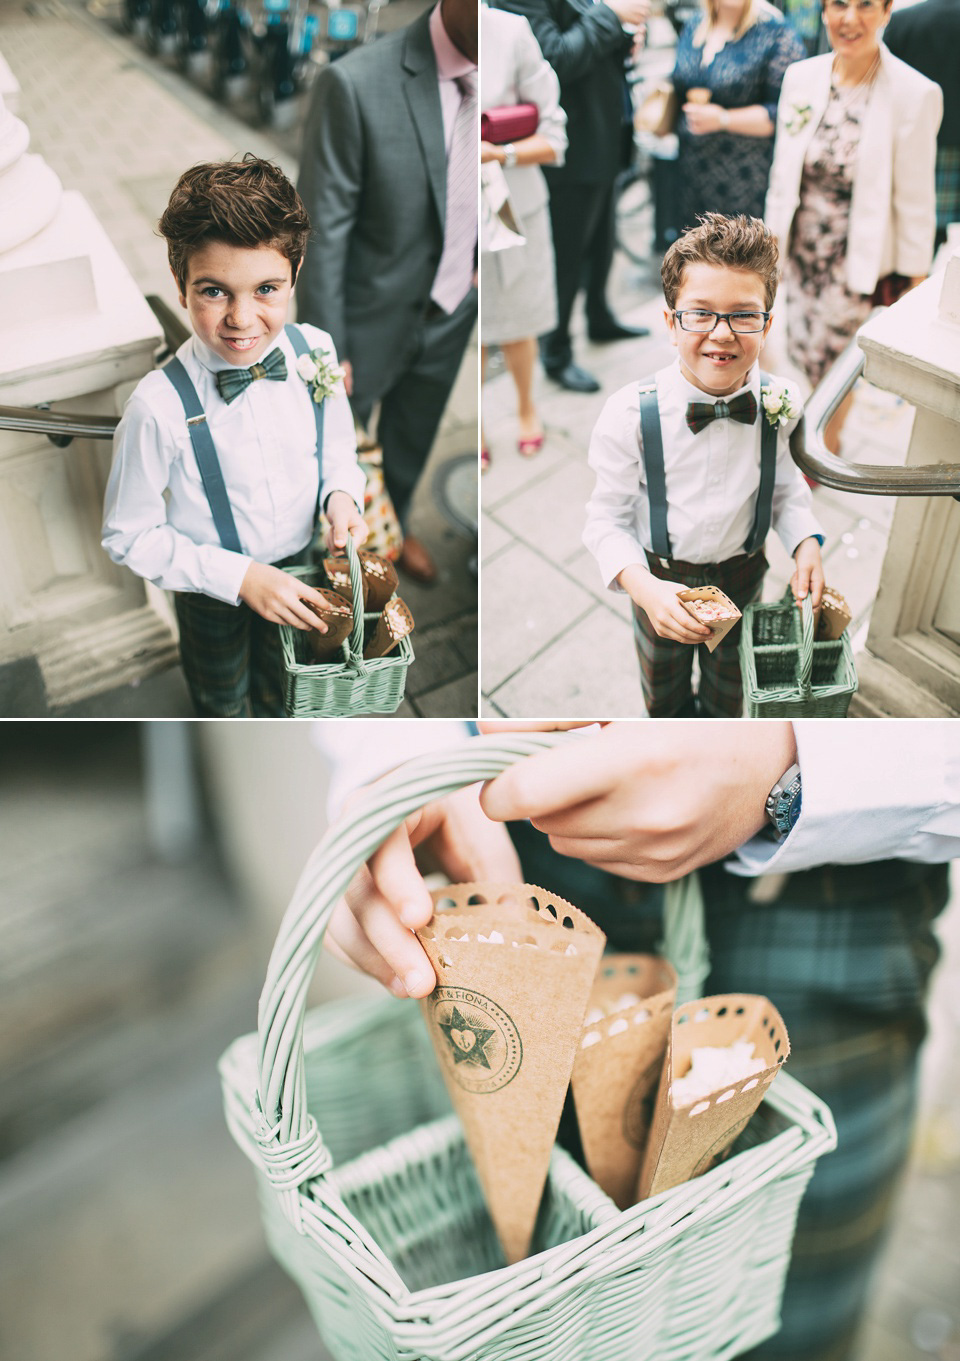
(851, 155)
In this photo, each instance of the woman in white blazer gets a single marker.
(518, 287)
(851, 197)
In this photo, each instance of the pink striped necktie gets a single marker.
(455, 270)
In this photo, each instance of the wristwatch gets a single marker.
(783, 802)
(509, 155)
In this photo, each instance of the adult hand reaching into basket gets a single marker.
(647, 801)
(373, 924)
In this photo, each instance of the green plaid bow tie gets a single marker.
(741, 408)
(231, 382)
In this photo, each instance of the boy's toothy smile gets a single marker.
(238, 343)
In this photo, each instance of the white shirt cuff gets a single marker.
(863, 802)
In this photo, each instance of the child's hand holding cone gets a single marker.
(373, 925)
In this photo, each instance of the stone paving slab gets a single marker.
(534, 603)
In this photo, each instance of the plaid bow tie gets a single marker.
(741, 408)
(231, 382)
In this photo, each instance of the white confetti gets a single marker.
(712, 1068)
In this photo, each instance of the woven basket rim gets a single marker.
(672, 1211)
(402, 656)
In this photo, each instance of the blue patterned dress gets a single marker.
(719, 171)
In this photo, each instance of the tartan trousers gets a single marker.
(231, 656)
(845, 953)
(666, 666)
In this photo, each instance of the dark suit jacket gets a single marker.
(927, 37)
(373, 178)
(586, 46)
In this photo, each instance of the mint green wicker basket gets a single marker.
(339, 689)
(785, 673)
(393, 1247)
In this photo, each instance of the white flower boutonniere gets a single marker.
(321, 376)
(778, 404)
(797, 118)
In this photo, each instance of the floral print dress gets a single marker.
(822, 314)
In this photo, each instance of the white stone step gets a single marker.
(884, 692)
(92, 658)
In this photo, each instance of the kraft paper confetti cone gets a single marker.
(379, 577)
(337, 614)
(832, 617)
(710, 606)
(394, 623)
(514, 967)
(687, 1139)
(618, 1067)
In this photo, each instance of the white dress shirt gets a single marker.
(157, 519)
(451, 64)
(870, 791)
(711, 479)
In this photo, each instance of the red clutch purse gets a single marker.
(509, 123)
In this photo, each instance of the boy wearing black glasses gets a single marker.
(694, 469)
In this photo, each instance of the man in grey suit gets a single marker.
(390, 270)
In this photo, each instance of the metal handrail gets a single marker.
(812, 456)
(56, 425)
(60, 427)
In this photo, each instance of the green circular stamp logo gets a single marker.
(480, 1044)
(722, 1147)
(638, 1108)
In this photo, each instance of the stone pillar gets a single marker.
(912, 664)
(79, 336)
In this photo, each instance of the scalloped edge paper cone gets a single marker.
(618, 1066)
(719, 628)
(513, 983)
(833, 616)
(686, 1141)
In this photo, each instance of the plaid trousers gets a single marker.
(845, 954)
(947, 178)
(666, 666)
(231, 656)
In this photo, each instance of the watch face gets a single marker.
(788, 806)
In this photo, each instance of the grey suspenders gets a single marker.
(657, 481)
(653, 467)
(206, 454)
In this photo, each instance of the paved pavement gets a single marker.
(553, 639)
(120, 126)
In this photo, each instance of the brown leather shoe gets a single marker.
(416, 562)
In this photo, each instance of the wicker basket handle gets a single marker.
(805, 670)
(356, 590)
(291, 1149)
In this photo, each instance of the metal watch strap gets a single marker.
(782, 806)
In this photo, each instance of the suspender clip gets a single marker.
(664, 562)
(196, 420)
